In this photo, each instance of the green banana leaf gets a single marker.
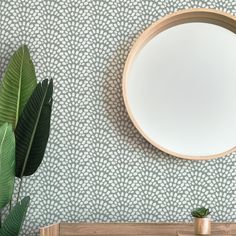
(14, 221)
(18, 84)
(7, 163)
(32, 130)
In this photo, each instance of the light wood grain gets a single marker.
(51, 230)
(131, 229)
(184, 16)
(219, 233)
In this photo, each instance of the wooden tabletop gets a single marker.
(216, 233)
(133, 229)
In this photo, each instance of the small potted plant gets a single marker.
(202, 221)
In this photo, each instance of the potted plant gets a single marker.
(25, 113)
(202, 221)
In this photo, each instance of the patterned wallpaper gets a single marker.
(97, 166)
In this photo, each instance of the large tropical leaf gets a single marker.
(14, 221)
(32, 130)
(18, 84)
(7, 163)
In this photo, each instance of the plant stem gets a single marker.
(12, 195)
(18, 195)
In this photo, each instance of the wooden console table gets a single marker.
(131, 229)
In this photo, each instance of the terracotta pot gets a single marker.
(202, 226)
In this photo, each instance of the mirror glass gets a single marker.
(180, 90)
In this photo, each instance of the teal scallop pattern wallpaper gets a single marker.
(97, 167)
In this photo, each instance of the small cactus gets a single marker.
(200, 212)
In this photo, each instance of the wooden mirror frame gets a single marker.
(180, 17)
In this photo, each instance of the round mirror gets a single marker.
(179, 84)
